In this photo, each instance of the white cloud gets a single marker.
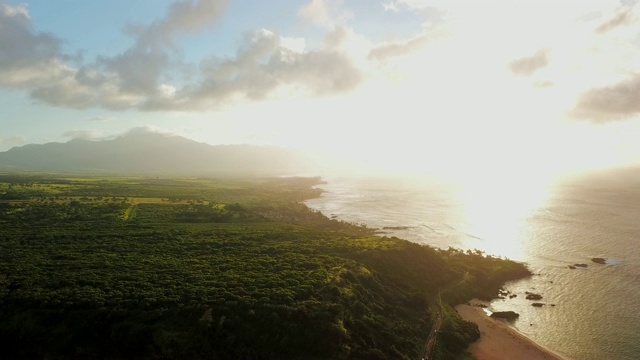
(147, 129)
(294, 44)
(167, 91)
(13, 140)
(325, 13)
(83, 134)
(262, 67)
(265, 65)
(35, 61)
(616, 102)
(317, 11)
(15, 11)
(526, 66)
(181, 17)
(28, 58)
(141, 67)
(623, 17)
(101, 118)
(390, 6)
(388, 50)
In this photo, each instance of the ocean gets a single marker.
(596, 309)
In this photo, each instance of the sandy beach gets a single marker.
(499, 341)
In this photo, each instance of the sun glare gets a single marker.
(496, 210)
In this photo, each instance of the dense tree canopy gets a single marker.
(146, 267)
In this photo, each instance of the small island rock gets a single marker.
(538, 304)
(508, 315)
(599, 260)
(532, 296)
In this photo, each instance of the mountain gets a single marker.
(155, 153)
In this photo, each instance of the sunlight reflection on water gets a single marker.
(547, 224)
(496, 213)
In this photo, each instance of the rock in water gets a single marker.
(538, 304)
(599, 260)
(508, 315)
(532, 296)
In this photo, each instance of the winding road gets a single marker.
(436, 303)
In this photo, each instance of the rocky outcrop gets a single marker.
(507, 315)
(532, 296)
(537, 304)
(599, 260)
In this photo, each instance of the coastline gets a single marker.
(500, 341)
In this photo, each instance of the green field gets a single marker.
(216, 268)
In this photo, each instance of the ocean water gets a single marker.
(596, 312)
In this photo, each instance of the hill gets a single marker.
(154, 153)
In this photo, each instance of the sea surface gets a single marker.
(550, 225)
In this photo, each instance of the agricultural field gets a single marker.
(216, 268)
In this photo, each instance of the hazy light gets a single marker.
(496, 211)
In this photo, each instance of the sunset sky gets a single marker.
(445, 86)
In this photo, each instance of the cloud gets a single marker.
(65, 93)
(611, 103)
(146, 129)
(621, 18)
(13, 140)
(28, 58)
(389, 50)
(526, 66)
(427, 7)
(414, 4)
(390, 6)
(140, 68)
(35, 62)
(317, 11)
(324, 13)
(141, 77)
(543, 84)
(101, 118)
(262, 66)
(83, 134)
(183, 16)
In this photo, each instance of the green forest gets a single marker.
(135, 267)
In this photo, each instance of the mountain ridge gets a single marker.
(155, 153)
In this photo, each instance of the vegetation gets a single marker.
(184, 268)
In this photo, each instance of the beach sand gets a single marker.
(499, 341)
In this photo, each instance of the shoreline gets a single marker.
(500, 341)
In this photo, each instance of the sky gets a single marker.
(454, 87)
